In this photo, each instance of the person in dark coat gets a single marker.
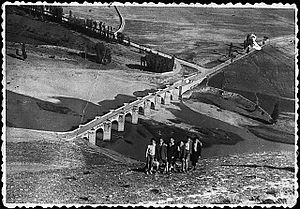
(196, 152)
(180, 152)
(172, 153)
(162, 157)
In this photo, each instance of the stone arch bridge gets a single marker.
(130, 112)
(143, 105)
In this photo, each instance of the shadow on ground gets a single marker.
(291, 169)
(15, 56)
(136, 66)
(206, 126)
(66, 114)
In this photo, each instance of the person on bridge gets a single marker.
(150, 155)
(172, 153)
(196, 151)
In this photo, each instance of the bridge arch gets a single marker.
(115, 125)
(128, 117)
(152, 106)
(141, 110)
(99, 135)
(162, 100)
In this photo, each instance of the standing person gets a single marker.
(158, 152)
(162, 150)
(164, 157)
(150, 155)
(181, 155)
(172, 152)
(196, 152)
(187, 153)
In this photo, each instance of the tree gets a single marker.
(85, 51)
(107, 56)
(158, 63)
(275, 113)
(100, 51)
(103, 53)
(24, 51)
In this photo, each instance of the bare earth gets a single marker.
(76, 172)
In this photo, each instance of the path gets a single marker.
(122, 22)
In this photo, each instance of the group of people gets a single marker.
(164, 156)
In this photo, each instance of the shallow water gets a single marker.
(134, 140)
(250, 142)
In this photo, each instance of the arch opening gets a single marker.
(162, 101)
(128, 118)
(114, 125)
(99, 136)
(152, 106)
(141, 111)
(115, 134)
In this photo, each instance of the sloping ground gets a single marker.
(258, 178)
(270, 72)
(34, 151)
(266, 77)
(55, 88)
(21, 27)
(105, 14)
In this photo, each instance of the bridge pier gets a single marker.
(121, 121)
(167, 98)
(107, 131)
(147, 107)
(135, 115)
(157, 101)
(92, 136)
(175, 94)
(180, 92)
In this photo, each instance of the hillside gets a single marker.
(269, 72)
(57, 172)
(57, 84)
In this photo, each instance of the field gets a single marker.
(196, 34)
